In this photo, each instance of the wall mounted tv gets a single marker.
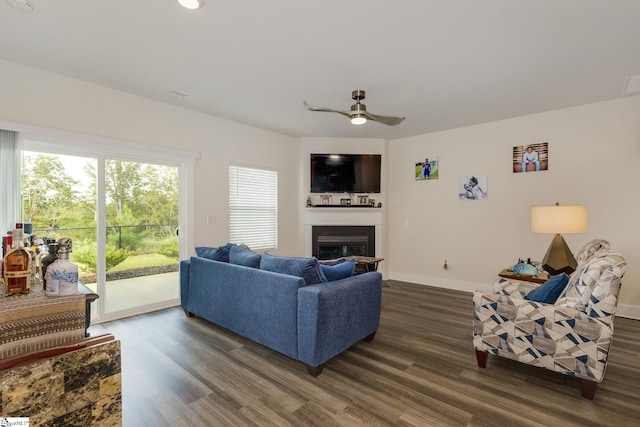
(345, 173)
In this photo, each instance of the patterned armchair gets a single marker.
(571, 336)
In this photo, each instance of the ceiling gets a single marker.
(441, 63)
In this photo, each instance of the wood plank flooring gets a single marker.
(420, 370)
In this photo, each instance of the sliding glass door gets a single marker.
(122, 216)
(142, 250)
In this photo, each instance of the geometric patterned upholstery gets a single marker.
(572, 336)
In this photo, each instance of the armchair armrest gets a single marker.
(513, 287)
(561, 339)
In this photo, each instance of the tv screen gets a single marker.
(345, 173)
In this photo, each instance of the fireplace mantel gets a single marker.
(343, 216)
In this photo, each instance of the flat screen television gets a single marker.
(345, 173)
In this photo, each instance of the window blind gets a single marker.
(253, 207)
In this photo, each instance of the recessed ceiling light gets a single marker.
(22, 5)
(191, 4)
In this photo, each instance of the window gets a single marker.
(253, 207)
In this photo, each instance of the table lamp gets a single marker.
(556, 220)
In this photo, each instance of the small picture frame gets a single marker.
(325, 200)
(363, 200)
(345, 202)
(372, 202)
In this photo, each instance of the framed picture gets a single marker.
(473, 187)
(427, 169)
(345, 202)
(362, 200)
(325, 200)
(531, 158)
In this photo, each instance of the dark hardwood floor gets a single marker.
(420, 370)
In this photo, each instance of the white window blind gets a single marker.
(253, 207)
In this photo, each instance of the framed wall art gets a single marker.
(427, 169)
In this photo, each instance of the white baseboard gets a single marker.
(627, 311)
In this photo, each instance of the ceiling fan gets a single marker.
(358, 113)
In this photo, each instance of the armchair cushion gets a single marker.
(591, 248)
(550, 290)
(595, 284)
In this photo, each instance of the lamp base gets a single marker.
(559, 258)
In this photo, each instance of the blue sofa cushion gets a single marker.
(550, 291)
(307, 268)
(242, 256)
(338, 271)
(216, 254)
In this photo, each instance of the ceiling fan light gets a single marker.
(191, 4)
(22, 5)
(358, 119)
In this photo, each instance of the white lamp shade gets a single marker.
(559, 219)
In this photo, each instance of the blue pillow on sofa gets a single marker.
(216, 254)
(307, 268)
(338, 271)
(550, 291)
(242, 256)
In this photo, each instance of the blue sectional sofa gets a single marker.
(308, 322)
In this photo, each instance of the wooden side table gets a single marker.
(368, 263)
(510, 274)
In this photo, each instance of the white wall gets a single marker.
(594, 159)
(42, 99)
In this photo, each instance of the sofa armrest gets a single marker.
(185, 266)
(335, 315)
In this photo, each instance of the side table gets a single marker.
(510, 274)
(368, 263)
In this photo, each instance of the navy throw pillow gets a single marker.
(550, 291)
(338, 271)
(242, 256)
(216, 254)
(307, 268)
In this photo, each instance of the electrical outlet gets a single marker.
(211, 219)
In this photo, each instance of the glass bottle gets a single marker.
(46, 261)
(62, 275)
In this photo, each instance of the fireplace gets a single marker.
(335, 241)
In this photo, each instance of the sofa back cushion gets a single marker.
(241, 256)
(307, 268)
(217, 254)
(594, 286)
(338, 270)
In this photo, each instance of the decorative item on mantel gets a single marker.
(62, 274)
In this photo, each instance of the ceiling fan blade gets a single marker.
(324, 110)
(385, 120)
